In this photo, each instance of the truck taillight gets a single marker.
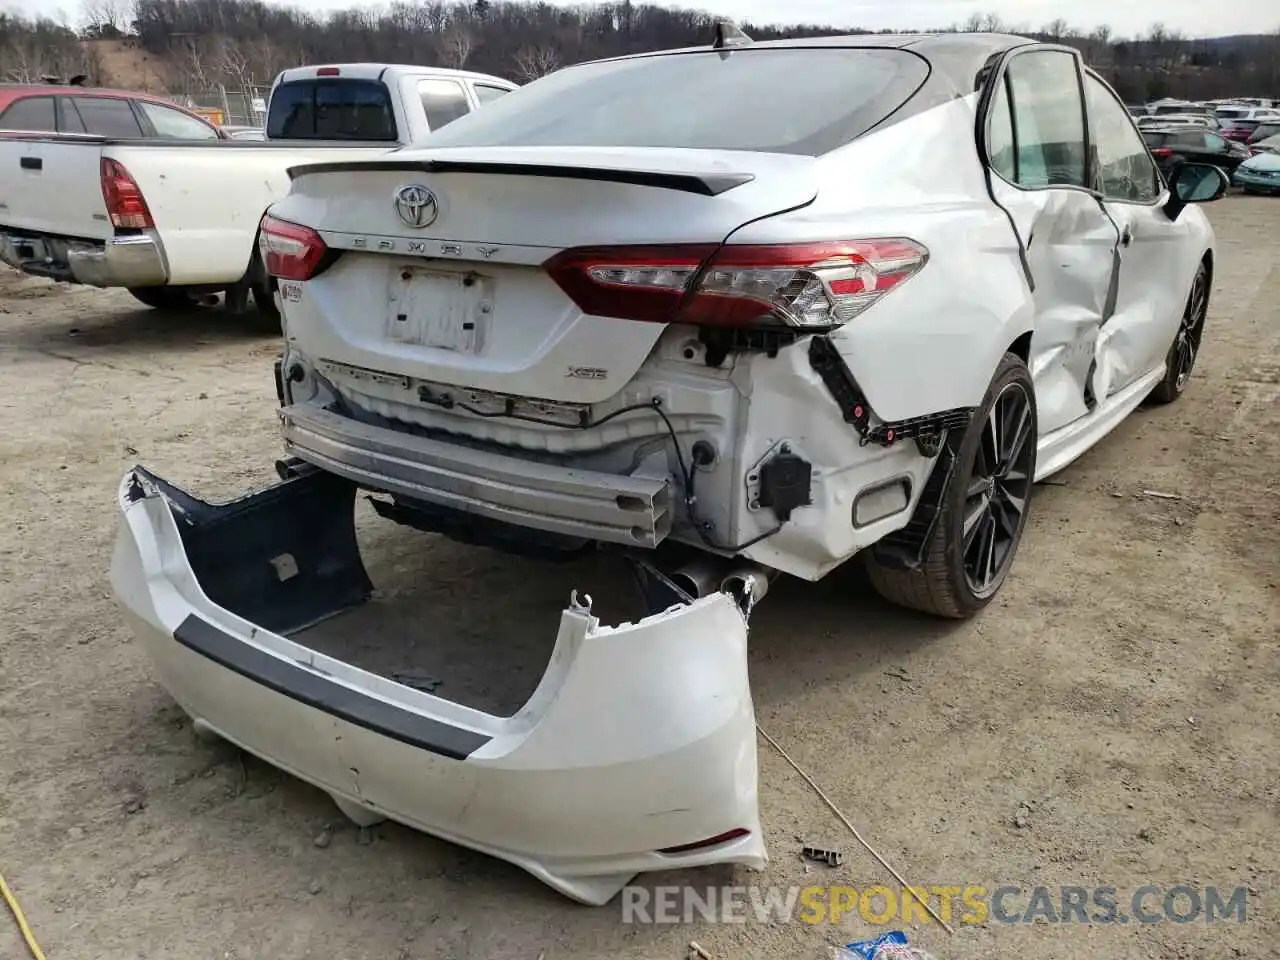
(124, 201)
(811, 286)
(290, 251)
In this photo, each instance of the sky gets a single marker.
(1194, 18)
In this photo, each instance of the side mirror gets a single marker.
(1194, 183)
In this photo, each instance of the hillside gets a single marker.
(196, 47)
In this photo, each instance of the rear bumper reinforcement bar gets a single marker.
(635, 511)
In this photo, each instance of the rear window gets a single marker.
(1232, 114)
(800, 101)
(331, 109)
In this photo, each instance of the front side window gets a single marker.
(1122, 167)
(109, 117)
(175, 125)
(443, 101)
(1048, 119)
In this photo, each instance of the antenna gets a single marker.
(728, 35)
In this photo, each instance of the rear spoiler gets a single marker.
(707, 184)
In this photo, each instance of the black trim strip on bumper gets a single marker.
(298, 683)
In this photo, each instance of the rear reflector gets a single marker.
(123, 198)
(290, 251)
(812, 286)
(715, 841)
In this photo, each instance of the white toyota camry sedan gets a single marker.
(775, 306)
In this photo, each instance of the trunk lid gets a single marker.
(463, 299)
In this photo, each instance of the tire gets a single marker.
(958, 578)
(163, 298)
(265, 301)
(1181, 358)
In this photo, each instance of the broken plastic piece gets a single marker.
(832, 858)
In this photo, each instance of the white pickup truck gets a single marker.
(175, 219)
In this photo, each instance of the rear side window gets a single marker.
(331, 109)
(1048, 119)
(108, 117)
(487, 93)
(29, 113)
(176, 125)
(779, 100)
(443, 101)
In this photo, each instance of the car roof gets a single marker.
(12, 91)
(959, 56)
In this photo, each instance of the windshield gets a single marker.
(778, 100)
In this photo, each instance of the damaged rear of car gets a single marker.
(729, 313)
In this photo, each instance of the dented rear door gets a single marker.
(1037, 148)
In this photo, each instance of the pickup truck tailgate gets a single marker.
(53, 186)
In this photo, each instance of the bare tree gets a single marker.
(233, 64)
(1057, 29)
(104, 18)
(455, 47)
(533, 62)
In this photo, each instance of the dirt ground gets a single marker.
(1113, 720)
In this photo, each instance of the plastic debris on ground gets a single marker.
(887, 946)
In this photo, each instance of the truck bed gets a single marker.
(205, 196)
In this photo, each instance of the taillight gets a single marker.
(1164, 153)
(124, 201)
(290, 251)
(811, 286)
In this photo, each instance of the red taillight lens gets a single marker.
(1164, 153)
(124, 201)
(810, 285)
(328, 72)
(290, 251)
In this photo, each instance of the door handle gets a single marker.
(1126, 237)
(31, 163)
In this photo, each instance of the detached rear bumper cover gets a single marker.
(639, 738)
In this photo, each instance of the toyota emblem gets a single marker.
(416, 205)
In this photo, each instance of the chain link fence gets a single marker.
(246, 106)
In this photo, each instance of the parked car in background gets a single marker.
(1263, 131)
(1269, 145)
(159, 202)
(1201, 120)
(679, 303)
(119, 114)
(1260, 173)
(1174, 145)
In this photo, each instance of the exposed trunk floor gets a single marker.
(488, 645)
